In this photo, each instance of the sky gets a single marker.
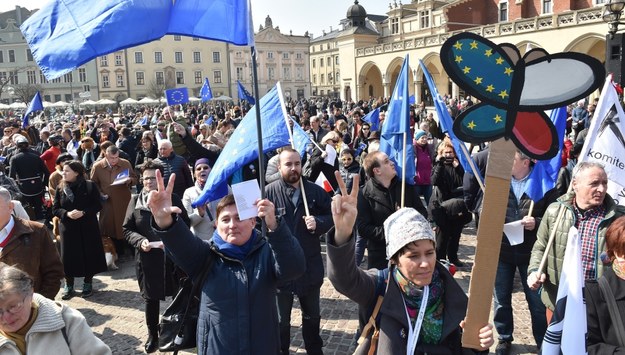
(297, 15)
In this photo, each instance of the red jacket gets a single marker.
(49, 158)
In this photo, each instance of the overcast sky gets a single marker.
(297, 15)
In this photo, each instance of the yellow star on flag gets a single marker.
(471, 125)
(458, 45)
(508, 71)
(473, 45)
(497, 119)
(490, 88)
(499, 60)
(488, 52)
(478, 80)
(503, 94)
(466, 70)
(458, 59)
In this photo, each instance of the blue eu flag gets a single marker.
(242, 147)
(373, 118)
(301, 139)
(35, 105)
(177, 96)
(245, 95)
(397, 123)
(206, 93)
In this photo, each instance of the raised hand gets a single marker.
(159, 201)
(345, 209)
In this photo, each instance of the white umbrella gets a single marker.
(106, 102)
(4, 106)
(194, 99)
(17, 105)
(60, 104)
(129, 101)
(148, 101)
(222, 98)
(87, 103)
(46, 104)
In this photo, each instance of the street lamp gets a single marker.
(612, 15)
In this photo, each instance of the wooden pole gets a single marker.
(489, 234)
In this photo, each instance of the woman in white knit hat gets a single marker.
(423, 307)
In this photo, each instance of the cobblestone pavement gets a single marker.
(115, 311)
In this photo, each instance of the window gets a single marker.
(138, 57)
(14, 79)
(298, 73)
(120, 80)
(547, 6)
(239, 71)
(285, 55)
(54, 81)
(425, 19)
(104, 61)
(314, 78)
(82, 75)
(3, 77)
(336, 60)
(178, 57)
(394, 26)
(196, 39)
(197, 76)
(286, 73)
(158, 57)
(320, 62)
(86, 88)
(177, 38)
(298, 55)
(46, 98)
(216, 57)
(336, 76)
(503, 11)
(217, 76)
(179, 77)
(271, 73)
(32, 77)
(314, 63)
(322, 81)
(237, 54)
(11, 56)
(105, 80)
(29, 55)
(68, 98)
(140, 78)
(42, 79)
(160, 78)
(68, 78)
(57, 97)
(197, 57)
(118, 60)
(269, 55)
(1, 56)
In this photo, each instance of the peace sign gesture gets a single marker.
(159, 201)
(345, 209)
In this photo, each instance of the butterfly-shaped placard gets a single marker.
(514, 91)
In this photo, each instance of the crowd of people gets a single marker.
(132, 178)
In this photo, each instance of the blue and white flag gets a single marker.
(144, 121)
(373, 119)
(122, 178)
(209, 121)
(566, 333)
(545, 172)
(301, 139)
(206, 93)
(35, 105)
(245, 95)
(177, 96)
(242, 147)
(396, 135)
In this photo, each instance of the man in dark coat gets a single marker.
(174, 164)
(31, 174)
(307, 226)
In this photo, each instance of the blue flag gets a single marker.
(446, 123)
(210, 119)
(245, 95)
(242, 147)
(206, 93)
(301, 139)
(65, 34)
(144, 121)
(373, 118)
(177, 96)
(197, 18)
(35, 105)
(545, 172)
(397, 125)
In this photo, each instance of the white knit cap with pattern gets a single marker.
(405, 226)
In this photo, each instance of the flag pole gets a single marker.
(301, 180)
(465, 152)
(259, 133)
(403, 178)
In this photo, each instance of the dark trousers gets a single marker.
(448, 242)
(311, 320)
(36, 203)
(152, 315)
(69, 280)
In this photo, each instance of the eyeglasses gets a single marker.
(200, 168)
(14, 309)
(149, 178)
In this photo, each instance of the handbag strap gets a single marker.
(615, 315)
(208, 264)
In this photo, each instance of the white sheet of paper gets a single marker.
(331, 157)
(514, 232)
(245, 194)
(158, 245)
(120, 181)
